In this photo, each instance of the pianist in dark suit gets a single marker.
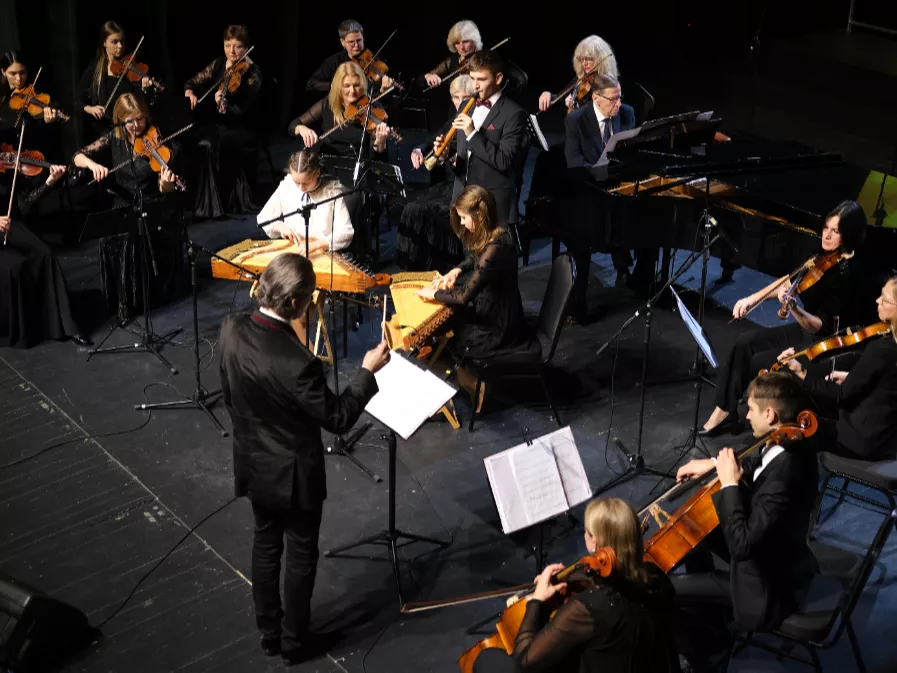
(823, 308)
(493, 141)
(588, 130)
(278, 401)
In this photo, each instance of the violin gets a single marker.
(583, 91)
(811, 274)
(434, 155)
(152, 147)
(31, 162)
(134, 71)
(373, 68)
(680, 532)
(33, 103)
(231, 81)
(594, 566)
(836, 342)
(358, 111)
(462, 69)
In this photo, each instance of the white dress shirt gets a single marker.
(769, 454)
(602, 120)
(480, 112)
(331, 218)
(271, 314)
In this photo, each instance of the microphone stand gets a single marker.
(149, 342)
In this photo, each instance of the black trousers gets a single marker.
(752, 352)
(288, 619)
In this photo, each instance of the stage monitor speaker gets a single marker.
(36, 630)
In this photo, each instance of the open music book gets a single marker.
(537, 481)
(408, 395)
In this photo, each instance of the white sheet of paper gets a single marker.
(532, 483)
(408, 396)
(696, 331)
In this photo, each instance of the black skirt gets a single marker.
(224, 170)
(425, 240)
(34, 301)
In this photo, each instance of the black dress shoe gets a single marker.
(271, 645)
(81, 340)
(730, 424)
(727, 276)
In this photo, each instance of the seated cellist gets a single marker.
(621, 625)
(764, 509)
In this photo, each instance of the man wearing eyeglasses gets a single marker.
(588, 131)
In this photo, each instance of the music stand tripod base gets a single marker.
(391, 535)
(149, 343)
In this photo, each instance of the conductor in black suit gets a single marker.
(278, 400)
(588, 130)
(492, 142)
(764, 507)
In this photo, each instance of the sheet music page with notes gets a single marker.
(538, 481)
(408, 395)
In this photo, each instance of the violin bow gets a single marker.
(123, 73)
(377, 53)
(15, 175)
(362, 110)
(578, 82)
(422, 606)
(225, 74)
(21, 116)
(160, 143)
(462, 67)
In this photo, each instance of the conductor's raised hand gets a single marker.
(376, 358)
(544, 588)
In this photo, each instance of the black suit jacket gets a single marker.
(584, 145)
(497, 154)
(278, 400)
(765, 524)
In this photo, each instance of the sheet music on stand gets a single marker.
(408, 395)
(538, 480)
(537, 132)
(697, 332)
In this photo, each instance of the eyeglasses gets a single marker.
(887, 301)
(611, 100)
(583, 59)
(136, 120)
(353, 42)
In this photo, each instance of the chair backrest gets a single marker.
(556, 300)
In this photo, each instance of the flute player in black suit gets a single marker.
(493, 141)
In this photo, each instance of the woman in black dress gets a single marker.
(40, 135)
(425, 240)
(121, 259)
(349, 85)
(592, 55)
(225, 173)
(829, 303)
(97, 81)
(619, 624)
(866, 396)
(482, 290)
(34, 301)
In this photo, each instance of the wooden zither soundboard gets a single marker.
(332, 270)
(414, 319)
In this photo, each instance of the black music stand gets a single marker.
(201, 399)
(134, 220)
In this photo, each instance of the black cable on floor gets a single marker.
(610, 422)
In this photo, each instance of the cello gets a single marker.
(680, 532)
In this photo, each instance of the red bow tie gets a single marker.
(486, 103)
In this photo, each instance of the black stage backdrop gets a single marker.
(657, 43)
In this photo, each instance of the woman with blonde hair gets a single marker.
(592, 55)
(463, 41)
(865, 397)
(619, 624)
(349, 85)
(482, 290)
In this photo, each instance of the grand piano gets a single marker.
(769, 197)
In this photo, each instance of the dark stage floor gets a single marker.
(85, 521)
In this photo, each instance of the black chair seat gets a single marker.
(882, 473)
(815, 619)
(528, 359)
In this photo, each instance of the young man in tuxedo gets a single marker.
(588, 130)
(278, 400)
(764, 507)
(493, 141)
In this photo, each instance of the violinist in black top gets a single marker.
(349, 86)
(464, 41)
(97, 82)
(619, 624)
(866, 396)
(115, 149)
(829, 303)
(764, 508)
(351, 37)
(13, 84)
(592, 55)
(224, 173)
